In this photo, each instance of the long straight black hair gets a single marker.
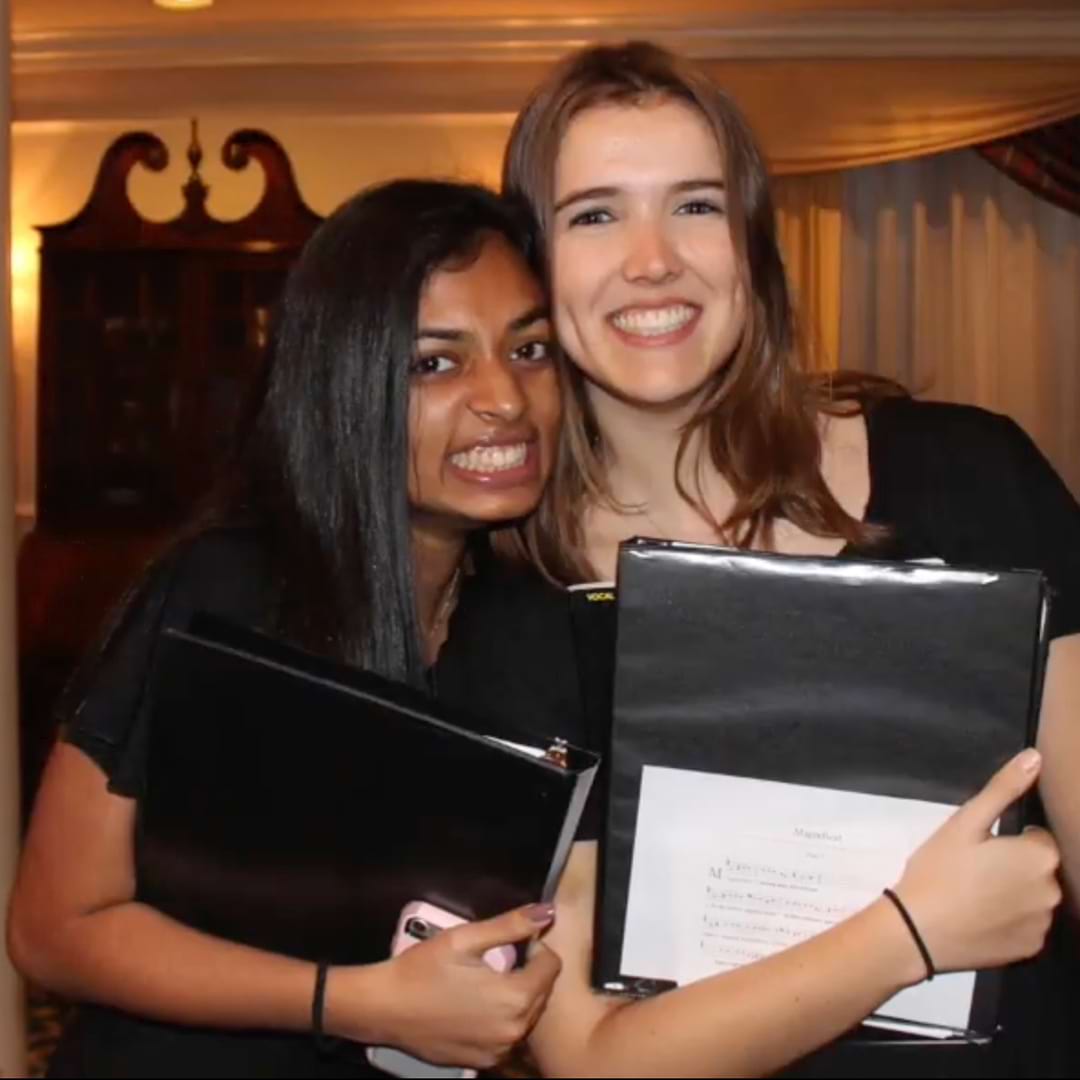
(324, 464)
(319, 472)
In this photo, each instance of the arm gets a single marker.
(1059, 741)
(746, 1022)
(75, 927)
(1042, 531)
(978, 902)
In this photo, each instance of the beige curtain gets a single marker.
(809, 218)
(966, 287)
(821, 115)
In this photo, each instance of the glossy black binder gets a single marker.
(900, 679)
(297, 805)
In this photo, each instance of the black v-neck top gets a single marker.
(952, 482)
(949, 481)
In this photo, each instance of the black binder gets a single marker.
(898, 679)
(297, 805)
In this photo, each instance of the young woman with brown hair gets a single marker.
(686, 416)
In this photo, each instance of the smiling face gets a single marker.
(484, 403)
(647, 296)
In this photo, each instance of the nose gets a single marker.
(651, 256)
(496, 392)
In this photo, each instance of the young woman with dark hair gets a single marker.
(411, 398)
(687, 416)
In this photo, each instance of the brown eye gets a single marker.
(700, 206)
(535, 352)
(438, 364)
(591, 217)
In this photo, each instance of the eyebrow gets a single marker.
(587, 193)
(695, 184)
(533, 315)
(705, 182)
(438, 333)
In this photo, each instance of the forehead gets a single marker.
(494, 282)
(622, 145)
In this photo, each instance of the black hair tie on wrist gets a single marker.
(324, 1043)
(910, 923)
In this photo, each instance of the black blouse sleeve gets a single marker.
(102, 712)
(971, 487)
(1021, 513)
(105, 710)
(1047, 526)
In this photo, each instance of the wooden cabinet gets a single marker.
(151, 334)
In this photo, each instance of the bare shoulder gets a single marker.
(845, 461)
(844, 436)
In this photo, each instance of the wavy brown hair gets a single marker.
(760, 415)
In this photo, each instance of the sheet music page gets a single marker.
(728, 870)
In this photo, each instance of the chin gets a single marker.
(658, 384)
(484, 512)
(659, 394)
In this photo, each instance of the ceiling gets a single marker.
(49, 16)
(85, 58)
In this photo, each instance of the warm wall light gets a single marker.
(182, 5)
(24, 271)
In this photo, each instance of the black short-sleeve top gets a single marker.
(950, 482)
(224, 572)
(969, 486)
(227, 573)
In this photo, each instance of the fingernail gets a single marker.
(1030, 759)
(541, 914)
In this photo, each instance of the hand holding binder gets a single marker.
(1010, 884)
(787, 732)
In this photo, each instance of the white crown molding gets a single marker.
(1034, 33)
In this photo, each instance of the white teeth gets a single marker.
(487, 459)
(652, 322)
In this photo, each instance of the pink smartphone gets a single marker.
(419, 922)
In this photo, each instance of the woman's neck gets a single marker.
(641, 448)
(438, 555)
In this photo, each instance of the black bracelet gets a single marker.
(910, 922)
(324, 1043)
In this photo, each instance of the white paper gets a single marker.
(728, 870)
